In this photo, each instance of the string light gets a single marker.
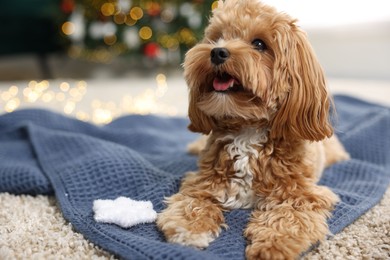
(120, 18)
(64, 86)
(108, 9)
(66, 97)
(110, 39)
(130, 21)
(69, 107)
(136, 13)
(145, 33)
(214, 5)
(68, 28)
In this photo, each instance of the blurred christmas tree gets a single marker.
(151, 31)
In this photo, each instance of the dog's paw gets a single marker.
(264, 250)
(195, 234)
(189, 238)
(190, 221)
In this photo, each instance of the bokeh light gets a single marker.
(145, 33)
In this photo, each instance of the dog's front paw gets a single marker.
(264, 250)
(190, 221)
(267, 243)
(186, 237)
(284, 232)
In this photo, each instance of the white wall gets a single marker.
(351, 37)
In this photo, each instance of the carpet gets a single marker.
(34, 228)
(72, 158)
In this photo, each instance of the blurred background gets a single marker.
(99, 59)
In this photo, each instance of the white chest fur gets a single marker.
(242, 148)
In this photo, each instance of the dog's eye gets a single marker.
(259, 44)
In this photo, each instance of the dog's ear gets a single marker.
(304, 111)
(193, 72)
(200, 122)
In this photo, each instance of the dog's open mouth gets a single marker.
(225, 82)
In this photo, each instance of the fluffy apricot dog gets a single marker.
(258, 91)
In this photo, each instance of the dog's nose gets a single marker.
(219, 55)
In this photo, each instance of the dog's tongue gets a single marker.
(222, 84)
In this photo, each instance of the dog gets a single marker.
(258, 91)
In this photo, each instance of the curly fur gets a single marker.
(268, 141)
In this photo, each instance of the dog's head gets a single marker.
(255, 65)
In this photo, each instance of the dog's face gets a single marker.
(255, 65)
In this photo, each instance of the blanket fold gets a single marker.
(144, 158)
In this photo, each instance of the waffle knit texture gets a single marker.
(144, 158)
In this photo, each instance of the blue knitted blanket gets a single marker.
(144, 158)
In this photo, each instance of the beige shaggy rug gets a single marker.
(33, 228)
